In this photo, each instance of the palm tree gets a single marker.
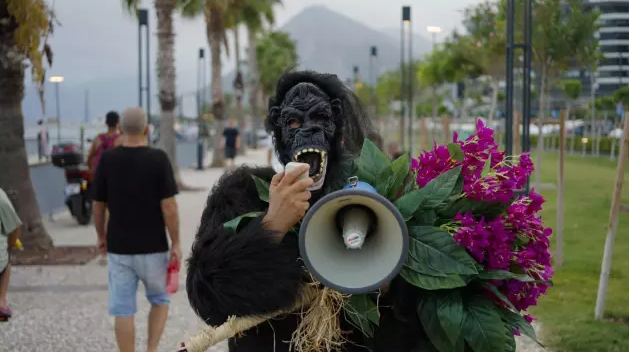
(233, 22)
(34, 20)
(254, 14)
(166, 70)
(276, 52)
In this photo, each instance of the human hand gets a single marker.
(102, 246)
(288, 199)
(175, 254)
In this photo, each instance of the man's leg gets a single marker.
(153, 276)
(4, 285)
(123, 287)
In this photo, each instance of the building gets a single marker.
(613, 71)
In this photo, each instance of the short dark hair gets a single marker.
(112, 119)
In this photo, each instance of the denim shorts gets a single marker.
(125, 270)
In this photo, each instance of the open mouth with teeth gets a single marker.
(318, 161)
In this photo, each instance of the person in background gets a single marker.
(394, 150)
(9, 232)
(43, 139)
(231, 143)
(137, 184)
(104, 141)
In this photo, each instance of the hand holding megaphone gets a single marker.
(288, 198)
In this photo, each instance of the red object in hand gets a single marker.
(172, 278)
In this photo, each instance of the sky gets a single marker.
(97, 39)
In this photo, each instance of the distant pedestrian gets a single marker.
(104, 141)
(136, 183)
(43, 139)
(9, 232)
(231, 143)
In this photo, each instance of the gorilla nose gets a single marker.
(310, 129)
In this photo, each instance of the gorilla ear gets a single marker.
(337, 106)
(274, 114)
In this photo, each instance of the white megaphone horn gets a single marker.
(353, 240)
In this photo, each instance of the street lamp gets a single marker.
(57, 80)
(200, 123)
(406, 18)
(373, 78)
(406, 21)
(143, 21)
(434, 30)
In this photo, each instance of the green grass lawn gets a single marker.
(567, 312)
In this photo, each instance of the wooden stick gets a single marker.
(446, 128)
(613, 222)
(560, 212)
(423, 130)
(516, 133)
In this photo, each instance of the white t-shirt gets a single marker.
(275, 163)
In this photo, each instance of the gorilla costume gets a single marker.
(315, 119)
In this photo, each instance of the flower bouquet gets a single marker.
(478, 252)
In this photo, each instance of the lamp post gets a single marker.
(526, 81)
(373, 55)
(200, 123)
(57, 80)
(406, 22)
(143, 21)
(433, 30)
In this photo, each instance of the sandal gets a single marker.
(5, 314)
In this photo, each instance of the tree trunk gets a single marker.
(15, 178)
(215, 33)
(435, 111)
(569, 119)
(540, 137)
(240, 116)
(495, 86)
(254, 83)
(166, 78)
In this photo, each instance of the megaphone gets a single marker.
(353, 240)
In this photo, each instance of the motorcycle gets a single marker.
(78, 179)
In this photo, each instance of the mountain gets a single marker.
(326, 41)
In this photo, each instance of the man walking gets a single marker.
(136, 183)
(42, 141)
(9, 231)
(231, 143)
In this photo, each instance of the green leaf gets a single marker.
(420, 268)
(424, 218)
(426, 307)
(409, 203)
(456, 152)
(401, 169)
(493, 289)
(450, 313)
(262, 187)
(440, 188)
(483, 329)
(486, 167)
(515, 321)
(509, 340)
(233, 224)
(371, 162)
(488, 210)
(362, 312)
(503, 275)
(384, 181)
(429, 282)
(436, 249)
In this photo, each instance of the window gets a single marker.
(615, 61)
(617, 22)
(614, 36)
(615, 49)
(611, 74)
(613, 8)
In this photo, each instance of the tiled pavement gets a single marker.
(64, 308)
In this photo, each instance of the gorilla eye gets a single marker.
(294, 123)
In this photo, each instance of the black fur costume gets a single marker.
(250, 274)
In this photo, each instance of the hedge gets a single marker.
(605, 148)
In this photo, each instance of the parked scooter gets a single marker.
(78, 179)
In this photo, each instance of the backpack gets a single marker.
(106, 143)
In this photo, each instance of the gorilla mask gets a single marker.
(307, 119)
